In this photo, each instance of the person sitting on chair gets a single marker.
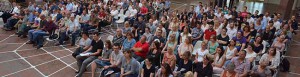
(84, 44)
(73, 28)
(35, 34)
(11, 22)
(95, 50)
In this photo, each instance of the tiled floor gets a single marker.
(18, 59)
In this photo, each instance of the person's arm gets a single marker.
(195, 74)
(246, 69)
(282, 48)
(96, 53)
(122, 72)
(88, 49)
(163, 51)
(243, 46)
(142, 73)
(222, 62)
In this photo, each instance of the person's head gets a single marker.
(174, 28)
(198, 25)
(224, 31)
(258, 39)
(231, 24)
(128, 54)
(206, 59)
(245, 8)
(116, 47)
(149, 60)
(156, 45)
(186, 29)
(211, 27)
(239, 34)
(85, 35)
(147, 30)
(232, 43)
(271, 23)
(159, 32)
(220, 50)
(126, 24)
(119, 32)
(186, 55)
(246, 29)
(140, 18)
(281, 38)
(166, 69)
(188, 40)
(96, 36)
(213, 38)
(272, 51)
(189, 74)
(230, 67)
(129, 35)
(204, 44)
(108, 44)
(172, 37)
(242, 54)
(250, 48)
(263, 63)
(143, 39)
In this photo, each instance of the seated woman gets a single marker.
(130, 66)
(169, 58)
(171, 43)
(231, 50)
(165, 71)
(219, 60)
(223, 38)
(250, 55)
(204, 68)
(155, 52)
(148, 69)
(279, 44)
(185, 46)
(257, 45)
(212, 45)
(184, 34)
(199, 54)
(184, 65)
(229, 70)
(273, 57)
(261, 70)
(128, 42)
(104, 59)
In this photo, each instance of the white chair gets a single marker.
(110, 38)
(121, 20)
(197, 46)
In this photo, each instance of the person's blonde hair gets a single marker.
(188, 74)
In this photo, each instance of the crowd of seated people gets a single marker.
(157, 41)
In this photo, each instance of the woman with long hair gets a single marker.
(155, 52)
(165, 71)
(186, 46)
(219, 60)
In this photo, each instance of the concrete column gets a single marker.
(286, 7)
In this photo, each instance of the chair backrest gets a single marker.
(264, 43)
(197, 45)
(110, 38)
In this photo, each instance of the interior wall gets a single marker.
(272, 1)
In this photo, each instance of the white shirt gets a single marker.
(277, 25)
(250, 55)
(218, 14)
(133, 12)
(73, 24)
(227, 16)
(200, 54)
(250, 20)
(114, 13)
(204, 27)
(16, 10)
(231, 32)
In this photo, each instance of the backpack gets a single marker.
(284, 65)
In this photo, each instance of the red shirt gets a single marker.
(102, 14)
(144, 10)
(208, 33)
(145, 49)
(244, 14)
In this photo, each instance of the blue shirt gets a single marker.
(128, 45)
(264, 23)
(31, 18)
(69, 6)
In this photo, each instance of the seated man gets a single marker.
(73, 28)
(11, 22)
(95, 50)
(118, 38)
(141, 49)
(242, 64)
(39, 32)
(115, 61)
(84, 44)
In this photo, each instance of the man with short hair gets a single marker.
(141, 49)
(242, 64)
(91, 54)
(118, 38)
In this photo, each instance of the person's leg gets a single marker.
(62, 36)
(74, 36)
(85, 63)
(30, 35)
(93, 68)
(80, 60)
(77, 51)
